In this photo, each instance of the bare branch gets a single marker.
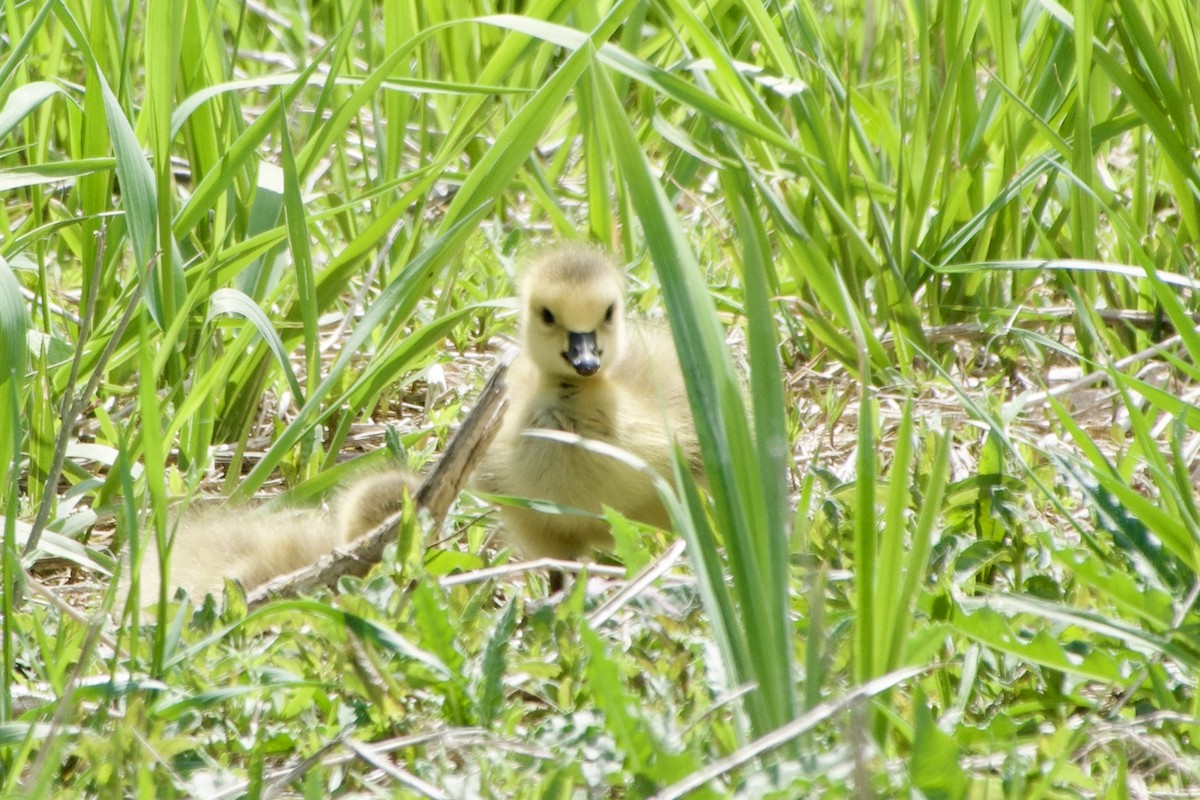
(437, 492)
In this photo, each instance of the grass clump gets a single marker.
(931, 273)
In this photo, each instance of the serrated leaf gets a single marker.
(433, 622)
(988, 627)
(978, 556)
(614, 701)
(934, 766)
(1126, 516)
(495, 659)
(644, 755)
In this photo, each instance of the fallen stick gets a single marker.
(439, 489)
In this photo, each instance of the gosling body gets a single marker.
(255, 545)
(584, 368)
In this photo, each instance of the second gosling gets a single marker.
(586, 369)
(255, 545)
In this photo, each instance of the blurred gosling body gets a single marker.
(254, 545)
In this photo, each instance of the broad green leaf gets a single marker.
(42, 174)
(934, 765)
(22, 102)
(988, 627)
(14, 322)
(138, 194)
(233, 302)
(733, 469)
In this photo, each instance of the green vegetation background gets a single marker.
(931, 270)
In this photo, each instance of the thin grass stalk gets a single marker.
(95, 190)
(885, 581)
(14, 325)
(298, 245)
(10, 418)
(46, 767)
(327, 96)
(139, 201)
(209, 191)
(1084, 218)
(22, 48)
(203, 61)
(958, 74)
(865, 541)
(324, 134)
(1001, 21)
(487, 181)
(162, 46)
(917, 561)
(73, 411)
(69, 410)
(1153, 96)
(14, 328)
(400, 293)
(817, 634)
(503, 62)
(154, 457)
(135, 547)
(399, 17)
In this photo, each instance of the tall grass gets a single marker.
(243, 231)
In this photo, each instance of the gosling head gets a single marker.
(572, 312)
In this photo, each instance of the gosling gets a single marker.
(585, 369)
(256, 545)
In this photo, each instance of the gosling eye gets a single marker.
(547, 316)
(608, 315)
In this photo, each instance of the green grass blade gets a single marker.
(22, 102)
(14, 327)
(297, 228)
(866, 545)
(401, 293)
(232, 302)
(729, 450)
(18, 53)
(14, 324)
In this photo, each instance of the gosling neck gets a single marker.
(575, 384)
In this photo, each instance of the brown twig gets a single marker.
(1036, 318)
(1104, 373)
(436, 493)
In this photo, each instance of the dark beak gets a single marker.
(582, 353)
